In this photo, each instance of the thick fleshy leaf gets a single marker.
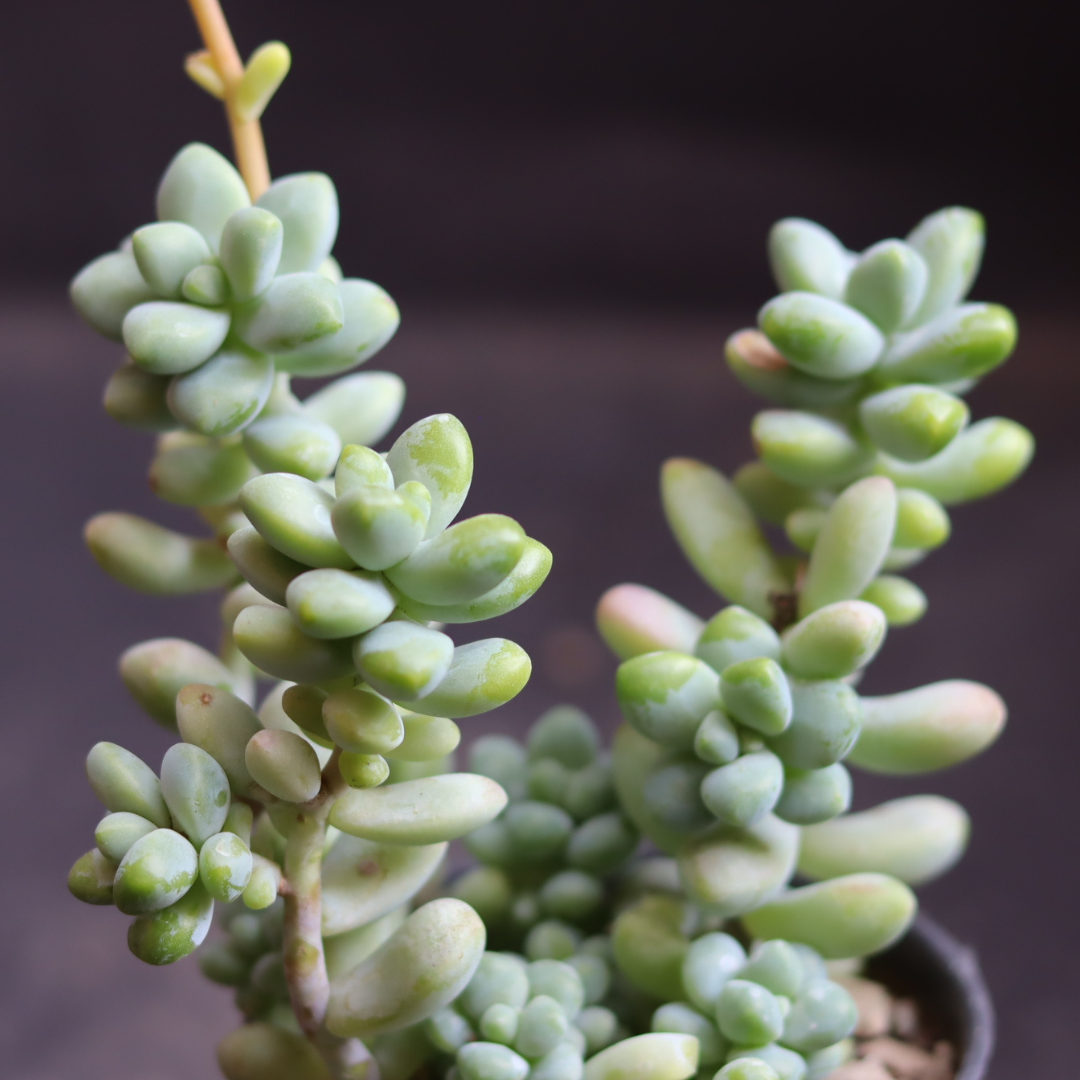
(371, 320)
(425, 964)
(153, 559)
(849, 550)
(156, 671)
(634, 619)
(363, 880)
(482, 676)
(202, 189)
(846, 916)
(225, 394)
(931, 727)
(435, 451)
(915, 839)
(427, 811)
(360, 408)
(717, 532)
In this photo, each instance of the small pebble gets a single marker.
(905, 1019)
(874, 1002)
(902, 1060)
(861, 1070)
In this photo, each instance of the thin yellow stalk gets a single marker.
(247, 137)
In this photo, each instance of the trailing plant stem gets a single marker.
(305, 963)
(247, 136)
(305, 960)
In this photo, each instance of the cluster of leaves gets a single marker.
(606, 964)
(320, 822)
(736, 730)
(338, 561)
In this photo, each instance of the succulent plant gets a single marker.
(313, 817)
(733, 758)
(320, 806)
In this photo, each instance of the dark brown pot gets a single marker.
(931, 966)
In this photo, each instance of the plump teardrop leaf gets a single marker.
(814, 795)
(913, 422)
(363, 881)
(437, 452)
(225, 866)
(402, 660)
(462, 563)
(307, 205)
(902, 602)
(931, 727)
(264, 567)
(846, 916)
(743, 792)
(116, 833)
(293, 310)
(981, 460)
(528, 574)
(136, 398)
(378, 527)
(201, 188)
(718, 534)
(915, 839)
(805, 256)
(835, 640)
(825, 725)
(734, 634)
(251, 251)
(225, 394)
(338, 603)
(190, 470)
(166, 253)
(157, 870)
(156, 560)
(634, 619)
(482, 676)
(156, 671)
(666, 695)
(293, 443)
(105, 290)
(852, 544)
(654, 1056)
(965, 342)
(360, 408)
(172, 933)
(951, 241)
(293, 514)
(91, 878)
(168, 338)
(426, 811)
(263, 1051)
(425, 964)
(371, 319)
(196, 791)
(284, 764)
(756, 362)
(808, 450)
(822, 337)
(125, 783)
(888, 284)
(755, 693)
(736, 870)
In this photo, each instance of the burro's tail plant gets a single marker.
(331, 806)
(737, 729)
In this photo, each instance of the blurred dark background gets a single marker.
(569, 201)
